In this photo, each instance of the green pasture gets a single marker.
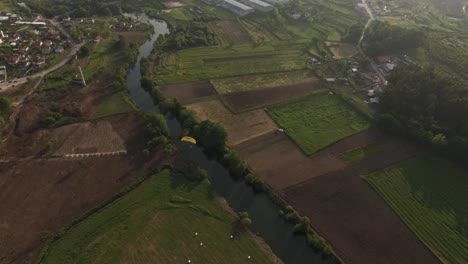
(218, 62)
(261, 81)
(5, 5)
(361, 153)
(156, 223)
(113, 104)
(318, 121)
(99, 58)
(430, 197)
(180, 13)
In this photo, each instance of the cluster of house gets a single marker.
(386, 64)
(371, 80)
(26, 42)
(244, 7)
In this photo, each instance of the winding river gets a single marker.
(263, 212)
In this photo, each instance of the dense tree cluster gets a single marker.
(382, 38)
(428, 106)
(187, 34)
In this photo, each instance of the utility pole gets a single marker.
(82, 77)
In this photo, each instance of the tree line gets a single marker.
(382, 38)
(187, 34)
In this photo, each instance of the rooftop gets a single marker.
(238, 5)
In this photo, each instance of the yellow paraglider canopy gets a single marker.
(188, 139)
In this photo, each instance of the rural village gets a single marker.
(233, 131)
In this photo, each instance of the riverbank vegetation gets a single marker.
(434, 207)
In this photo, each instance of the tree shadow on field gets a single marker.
(440, 185)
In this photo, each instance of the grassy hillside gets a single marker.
(156, 223)
(430, 196)
(318, 121)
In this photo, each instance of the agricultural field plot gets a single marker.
(217, 62)
(331, 22)
(40, 195)
(244, 101)
(87, 137)
(188, 91)
(372, 232)
(178, 13)
(234, 31)
(362, 152)
(430, 197)
(5, 5)
(112, 104)
(318, 121)
(165, 207)
(261, 81)
(240, 127)
(280, 163)
(133, 36)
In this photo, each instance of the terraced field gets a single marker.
(430, 197)
(317, 121)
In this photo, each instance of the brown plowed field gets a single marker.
(243, 101)
(38, 196)
(190, 90)
(240, 127)
(234, 31)
(280, 163)
(353, 218)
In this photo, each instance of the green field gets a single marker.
(361, 153)
(113, 104)
(156, 223)
(261, 81)
(5, 5)
(217, 62)
(318, 121)
(430, 197)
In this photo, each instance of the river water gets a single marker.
(263, 212)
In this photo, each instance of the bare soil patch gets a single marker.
(88, 137)
(280, 163)
(243, 101)
(36, 105)
(185, 92)
(134, 36)
(114, 133)
(235, 32)
(341, 50)
(240, 127)
(353, 218)
(38, 195)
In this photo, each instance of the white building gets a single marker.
(258, 5)
(237, 8)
